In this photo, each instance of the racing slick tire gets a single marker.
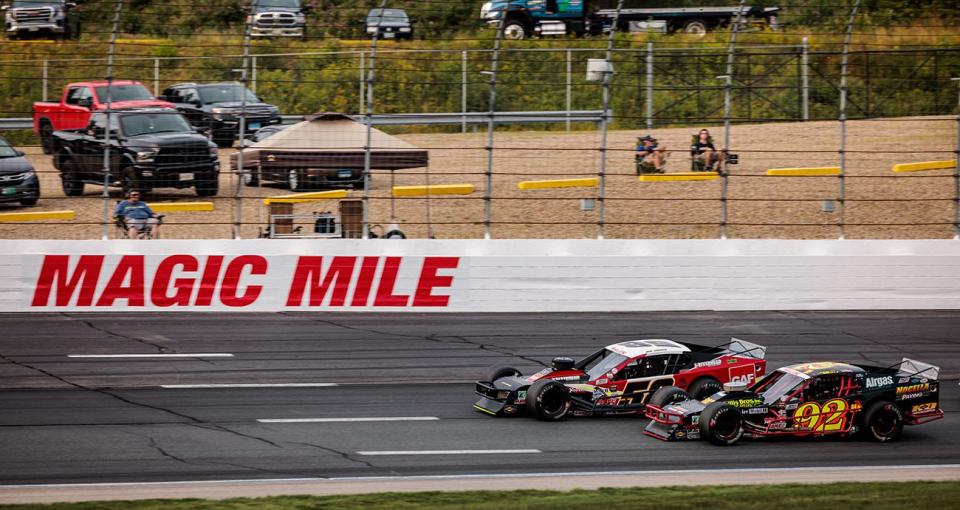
(704, 387)
(668, 395)
(548, 400)
(500, 371)
(883, 421)
(721, 424)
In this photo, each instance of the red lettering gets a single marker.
(231, 280)
(388, 279)
(56, 268)
(130, 266)
(338, 274)
(208, 282)
(368, 269)
(429, 280)
(183, 286)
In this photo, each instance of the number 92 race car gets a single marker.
(811, 399)
(618, 379)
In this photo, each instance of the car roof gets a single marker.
(634, 348)
(822, 368)
(211, 84)
(101, 83)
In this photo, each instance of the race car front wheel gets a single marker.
(721, 424)
(501, 371)
(883, 421)
(704, 387)
(668, 395)
(548, 400)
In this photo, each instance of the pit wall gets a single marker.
(477, 275)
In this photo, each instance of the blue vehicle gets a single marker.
(526, 18)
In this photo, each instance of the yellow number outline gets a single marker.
(830, 417)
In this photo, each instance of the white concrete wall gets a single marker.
(489, 276)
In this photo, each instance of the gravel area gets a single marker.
(880, 204)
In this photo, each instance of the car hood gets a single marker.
(15, 165)
(238, 104)
(259, 10)
(386, 23)
(138, 103)
(166, 140)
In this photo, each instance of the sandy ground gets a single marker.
(880, 204)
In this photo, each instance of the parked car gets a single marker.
(51, 18)
(262, 134)
(810, 399)
(388, 23)
(219, 108)
(18, 180)
(278, 18)
(618, 379)
(80, 99)
(150, 148)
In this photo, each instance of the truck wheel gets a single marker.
(668, 395)
(695, 27)
(128, 180)
(704, 387)
(883, 421)
(250, 178)
(224, 142)
(296, 180)
(721, 424)
(72, 185)
(208, 186)
(515, 31)
(46, 136)
(548, 400)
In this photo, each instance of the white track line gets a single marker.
(346, 420)
(179, 355)
(252, 385)
(445, 452)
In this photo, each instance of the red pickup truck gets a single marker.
(80, 99)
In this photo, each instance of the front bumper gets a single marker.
(492, 400)
(669, 425)
(16, 190)
(34, 27)
(230, 126)
(180, 176)
(256, 31)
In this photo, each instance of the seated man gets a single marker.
(705, 155)
(137, 216)
(650, 157)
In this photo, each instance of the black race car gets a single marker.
(811, 399)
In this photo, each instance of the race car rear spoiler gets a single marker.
(738, 347)
(913, 368)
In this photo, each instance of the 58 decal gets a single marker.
(830, 417)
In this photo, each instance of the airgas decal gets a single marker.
(873, 383)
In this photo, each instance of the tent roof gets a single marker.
(332, 132)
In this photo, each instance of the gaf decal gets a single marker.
(96, 281)
(879, 382)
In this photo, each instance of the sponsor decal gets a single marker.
(792, 406)
(680, 434)
(779, 424)
(611, 401)
(743, 403)
(879, 382)
(183, 280)
(731, 361)
(693, 434)
(929, 407)
(912, 388)
(830, 417)
(744, 374)
(910, 396)
(756, 410)
(695, 419)
(711, 363)
(521, 397)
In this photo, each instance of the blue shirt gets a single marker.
(133, 211)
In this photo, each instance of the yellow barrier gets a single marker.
(804, 172)
(589, 182)
(31, 41)
(181, 206)
(433, 189)
(38, 216)
(679, 176)
(297, 198)
(926, 165)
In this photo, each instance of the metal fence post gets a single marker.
(463, 90)
(805, 80)
(649, 86)
(494, 64)
(569, 86)
(118, 7)
(956, 171)
(46, 69)
(604, 122)
(253, 74)
(841, 194)
(727, 91)
(244, 79)
(363, 70)
(156, 77)
(368, 120)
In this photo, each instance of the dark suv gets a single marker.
(150, 148)
(390, 23)
(218, 107)
(18, 180)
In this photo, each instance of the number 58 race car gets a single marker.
(619, 378)
(811, 399)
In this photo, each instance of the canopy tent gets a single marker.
(331, 140)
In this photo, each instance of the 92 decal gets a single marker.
(832, 416)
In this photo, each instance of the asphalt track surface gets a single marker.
(78, 420)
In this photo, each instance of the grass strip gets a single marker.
(849, 496)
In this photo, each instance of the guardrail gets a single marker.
(416, 119)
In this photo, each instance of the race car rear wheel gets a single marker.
(704, 387)
(721, 424)
(668, 395)
(500, 371)
(883, 421)
(548, 400)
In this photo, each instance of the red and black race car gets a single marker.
(811, 399)
(619, 378)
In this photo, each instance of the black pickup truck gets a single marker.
(219, 107)
(150, 148)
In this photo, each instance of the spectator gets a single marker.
(137, 216)
(650, 156)
(705, 155)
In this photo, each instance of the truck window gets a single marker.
(132, 92)
(75, 94)
(188, 95)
